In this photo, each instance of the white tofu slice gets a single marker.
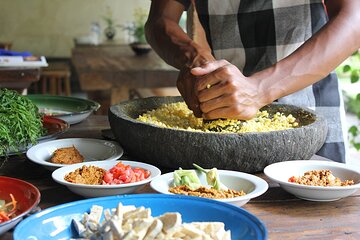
(131, 235)
(95, 213)
(107, 215)
(154, 230)
(170, 221)
(79, 227)
(116, 229)
(140, 226)
(140, 212)
(227, 235)
(121, 209)
(87, 233)
(108, 236)
(216, 230)
(192, 232)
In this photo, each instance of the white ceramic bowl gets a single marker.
(282, 171)
(91, 149)
(88, 191)
(252, 185)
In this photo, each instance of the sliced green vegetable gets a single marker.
(186, 177)
(212, 178)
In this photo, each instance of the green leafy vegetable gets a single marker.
(188, 178)
(20, 122)
(212, 178)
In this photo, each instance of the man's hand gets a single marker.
(185, 84)
(186, 81)
(224, 92)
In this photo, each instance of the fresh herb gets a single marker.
(212, 178)
(20, 122)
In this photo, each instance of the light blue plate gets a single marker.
(55, 222)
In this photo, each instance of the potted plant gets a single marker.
(136, 29)
(110, 29)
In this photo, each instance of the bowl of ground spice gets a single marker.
(164, 132)
(62, 152)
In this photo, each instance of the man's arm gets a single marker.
(320, 55)
(173, 45)
(236, 96)
(168, 39)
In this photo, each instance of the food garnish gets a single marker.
(20, 122)
(7, 209)
(323, 178)
(212, 178)
(188, 178)
(129, 222)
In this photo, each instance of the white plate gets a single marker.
(253, 186)
(282, 171)
(91, 149)
(87, 190)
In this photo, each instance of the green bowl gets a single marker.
(70, 109)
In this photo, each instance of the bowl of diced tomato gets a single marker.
(101, 178)
(17, 199)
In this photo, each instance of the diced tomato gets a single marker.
(122, 173)
(292, 179)
(108, 177)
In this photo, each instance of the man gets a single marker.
(275, 50)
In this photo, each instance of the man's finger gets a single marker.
(208, 67)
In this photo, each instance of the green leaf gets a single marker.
(358, 97)
(357, 146)
(353, 130)
(346, 68)
(358, 114)
(355, 53)
(354, 76)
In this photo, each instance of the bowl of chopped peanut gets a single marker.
(164, 132)
(315, 180)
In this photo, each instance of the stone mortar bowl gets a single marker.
(248, 152)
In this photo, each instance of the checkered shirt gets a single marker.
(255, 34)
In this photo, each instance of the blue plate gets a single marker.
(55, 222)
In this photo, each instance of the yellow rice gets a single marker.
(179, 116)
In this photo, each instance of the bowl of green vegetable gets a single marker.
(221, 185)
(21, 124)
(70, 109)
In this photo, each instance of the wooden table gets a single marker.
(285, 216)
(107, 72)
(18, 78)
